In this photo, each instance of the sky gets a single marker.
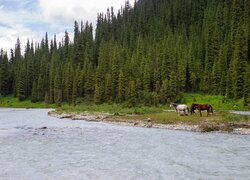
(31, 19)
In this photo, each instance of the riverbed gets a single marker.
(34, 145)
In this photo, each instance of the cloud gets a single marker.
(12, 27)
(69, 10)
(10, 35)
(30, 19)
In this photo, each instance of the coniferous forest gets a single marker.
(147, 53)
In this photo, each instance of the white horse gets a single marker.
(180, 107)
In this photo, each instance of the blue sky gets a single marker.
(30, 19)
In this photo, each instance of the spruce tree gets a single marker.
(239, 63)
(57, 88)
(121, 87)
(4, 74)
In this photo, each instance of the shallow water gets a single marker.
(36, 146)
(246, 113)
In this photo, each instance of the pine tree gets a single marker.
(74, 89)
(4, 74)
(69, 82)
(164, 94)
(239, 63)
(246, 93)
(52, 76)
(21, 94)
(97, 94)
(229, 89)
(108, 88)
(40, 89)
(57, 88)
(89, 83)
(172, 93)
(34, 95)
(121, 87)
(222, 70)
(132, 93)
(146, 78)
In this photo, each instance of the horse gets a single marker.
(200, 108)
(180, 107)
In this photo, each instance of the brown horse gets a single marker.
(201, 107)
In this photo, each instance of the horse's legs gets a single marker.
(200, 113)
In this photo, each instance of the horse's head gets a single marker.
(173, 105)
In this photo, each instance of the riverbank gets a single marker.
(153, 116)
(205, 124)
(13, 102)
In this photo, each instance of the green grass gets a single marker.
(216, 118)
(219, 121)
(218, 102)
(116, 109)
(10, 101)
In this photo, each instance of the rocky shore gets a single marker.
(148, 123)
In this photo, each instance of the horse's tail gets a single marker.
(211, 109)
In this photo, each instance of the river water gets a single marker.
(36, 146)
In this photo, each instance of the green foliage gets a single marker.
(217, 101)
(34, 96)
(4, 75)
(57, 88)
(10, 101)
(121, 109)
(146, 54)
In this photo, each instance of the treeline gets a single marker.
(147, 53)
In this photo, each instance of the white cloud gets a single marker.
(10, 35)
(12, 27)
(29, 19)
(70, 10)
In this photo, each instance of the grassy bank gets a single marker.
(12, 102)
(215, 118)
(221, 119)
(116, 109)
(218, 121)
(218, 102)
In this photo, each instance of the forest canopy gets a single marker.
(146, 53)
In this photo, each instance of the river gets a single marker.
(36, 146)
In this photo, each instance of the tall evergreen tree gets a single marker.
(239, 63)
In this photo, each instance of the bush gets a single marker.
(151, 98)
(21, 97)
(34, 99)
